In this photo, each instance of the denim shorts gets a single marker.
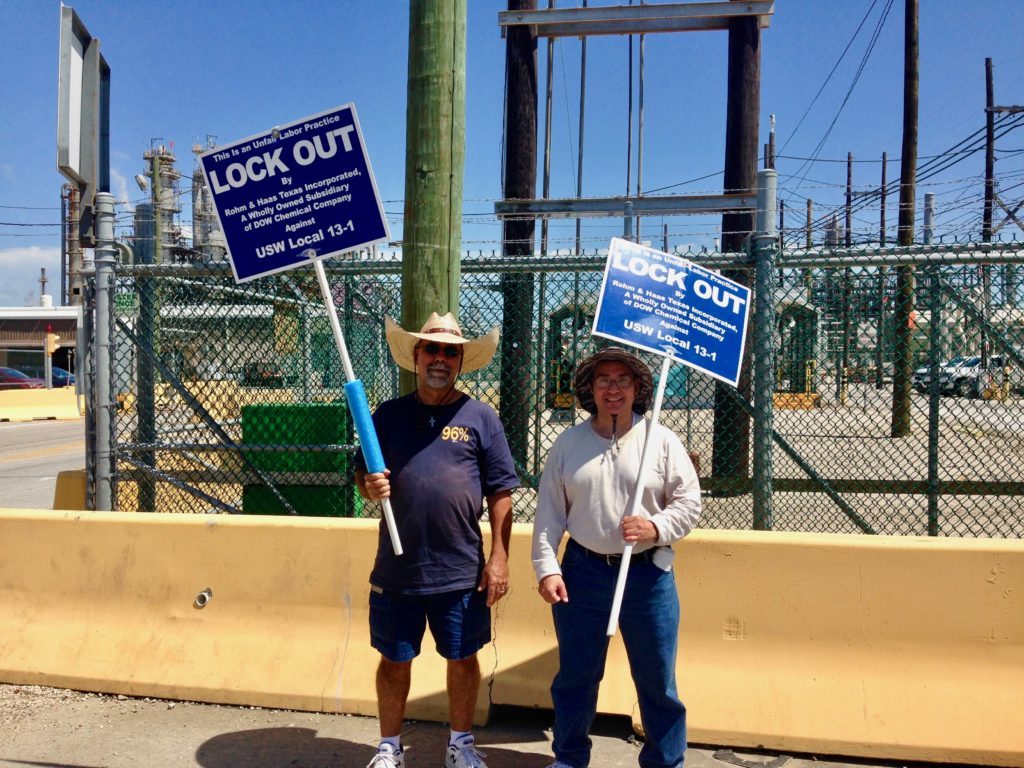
(459, 621)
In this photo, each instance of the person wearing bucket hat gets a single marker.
(446, 454)
(588, 481)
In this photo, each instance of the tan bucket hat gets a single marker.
(583, 380)
(476, 353)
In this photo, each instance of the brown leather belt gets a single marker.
(614, 561)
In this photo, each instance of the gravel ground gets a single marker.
(57, 728)
(21, 704)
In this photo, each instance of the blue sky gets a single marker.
(183, 70)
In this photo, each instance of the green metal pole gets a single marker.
(935, 355)
(763, 245)
(435, 131)
(149, 319)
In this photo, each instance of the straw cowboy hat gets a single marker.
(476, 353)
(583, 381)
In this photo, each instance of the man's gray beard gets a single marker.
(438, 380)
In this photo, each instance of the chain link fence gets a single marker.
(939, 460)
(228, 397)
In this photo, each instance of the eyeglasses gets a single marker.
(622, 382)
(449, 350)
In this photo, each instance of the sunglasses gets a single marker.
(449, 350)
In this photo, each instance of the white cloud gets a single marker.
(19, 275)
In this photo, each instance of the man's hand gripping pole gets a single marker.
(357, 405)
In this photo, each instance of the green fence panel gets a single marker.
(300, 424)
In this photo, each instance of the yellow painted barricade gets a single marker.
(883, 647)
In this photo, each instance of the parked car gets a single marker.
(970, 378)
(922, 376)
(58, 376)
(14, 379)
(270, 375)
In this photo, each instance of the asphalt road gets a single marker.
(31, 455)
(66, 729)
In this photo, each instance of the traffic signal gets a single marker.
(52, 342)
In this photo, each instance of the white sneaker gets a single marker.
(466, 755)
(387, 757)
(559, 764)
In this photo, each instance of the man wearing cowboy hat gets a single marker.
(589, 478)
(446, 453)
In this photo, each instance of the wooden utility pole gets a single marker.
(808, 273)
(903, 311)
(992, 199)
(990, 194)
(520, 182)
(882, 279)
(731, 443)
(842, 374)
(435, 150)
(990, 153)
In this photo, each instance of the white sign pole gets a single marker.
(627, 553)
(357, 400)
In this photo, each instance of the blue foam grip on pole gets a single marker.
(360, 410)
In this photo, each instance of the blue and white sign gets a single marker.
(299, 192)
(671, 306)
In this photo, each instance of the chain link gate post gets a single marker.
(145, 372)
(764, 243)
(105, 261)
(935, 355)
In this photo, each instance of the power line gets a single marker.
(829, 77)
(856, 78)
(935, 165)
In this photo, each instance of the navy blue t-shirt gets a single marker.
(444, 461)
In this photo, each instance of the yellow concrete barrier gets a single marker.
(895, 648)
(902, 648)
(40, 404)
(69, 490)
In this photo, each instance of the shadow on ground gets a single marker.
(275, 747)
(514, 738)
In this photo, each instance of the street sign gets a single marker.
(671, 306)
(83, 117)
(296, 194)
(126, 303)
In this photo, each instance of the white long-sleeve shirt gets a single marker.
(587, 485)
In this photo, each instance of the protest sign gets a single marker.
(671, 306)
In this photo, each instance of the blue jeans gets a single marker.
(649, 623)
